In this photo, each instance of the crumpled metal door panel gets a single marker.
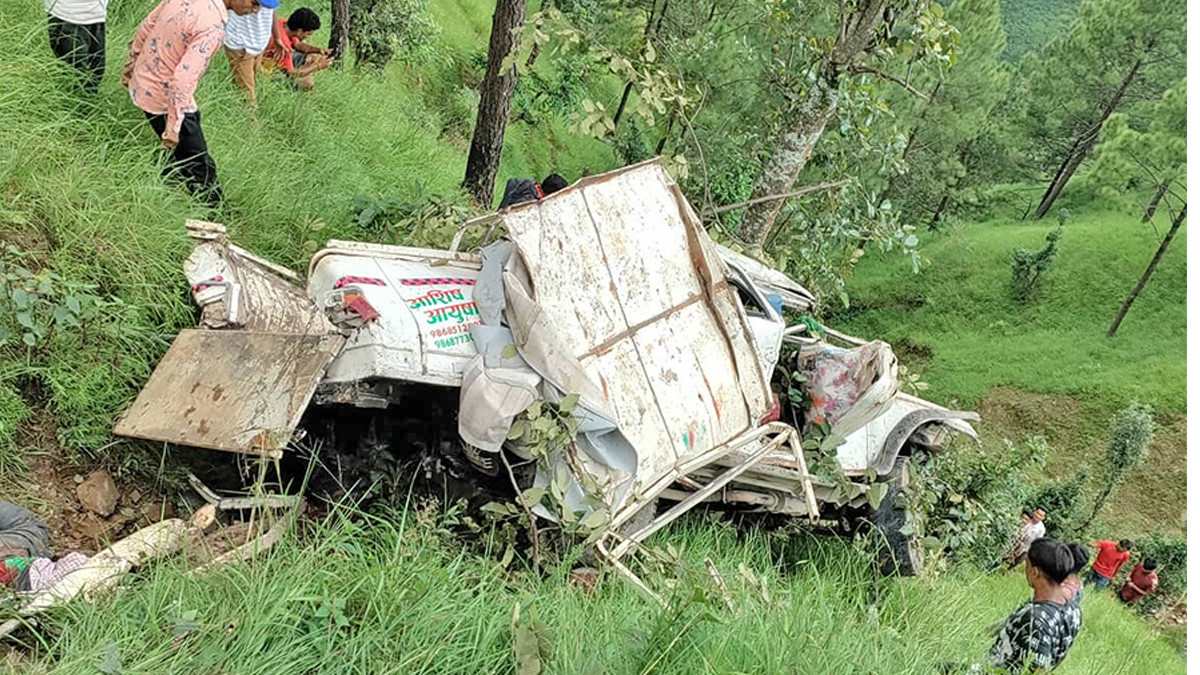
(624, 253)
(264, 302)
(572, 284)
(236, 391)
(645, 244)
(635, 407)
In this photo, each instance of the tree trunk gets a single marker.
(780, 172)
(937, 214)
(858, 32)
(339, 29)
(1137, 290)
(1152, 207)
(1083, 145)
(651, 29)
(537, 47)
(495, 102)
(621, 105)
(1101, 499)
(662, 142)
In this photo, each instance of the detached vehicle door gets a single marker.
(245, 387)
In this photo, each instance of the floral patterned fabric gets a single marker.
(837, 378)
(169, 53)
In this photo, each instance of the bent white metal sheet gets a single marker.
(626, 272)
(236, 391)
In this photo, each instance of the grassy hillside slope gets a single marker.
(1047, 368)
(396, 597)
(81, 195)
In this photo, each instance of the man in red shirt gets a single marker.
(291, 54)
(1143, 580)
(1108, 561)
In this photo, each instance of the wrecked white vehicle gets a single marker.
(609, 293)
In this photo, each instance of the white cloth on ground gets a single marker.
(45, 573)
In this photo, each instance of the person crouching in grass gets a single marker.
(291, 54)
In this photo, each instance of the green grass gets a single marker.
(82, 192)
(1046, 368)
(959, 308)
(413, 601)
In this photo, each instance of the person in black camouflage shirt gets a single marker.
(1038, 634)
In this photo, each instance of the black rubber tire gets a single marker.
(899, 553)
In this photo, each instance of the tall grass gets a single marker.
(82, 192)
(396, 595)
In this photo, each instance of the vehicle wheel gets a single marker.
(896, 527)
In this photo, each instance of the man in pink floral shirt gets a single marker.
(167, 56)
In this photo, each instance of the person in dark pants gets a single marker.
(76, 29)
(167, 56)
(190, 161)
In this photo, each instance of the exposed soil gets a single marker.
(48, 489)
(1154, 496)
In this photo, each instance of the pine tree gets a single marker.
(1117, 52)
(944, 128)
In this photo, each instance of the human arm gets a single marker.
(305, 48)
(1012, 640)
(181, 89)
(310, 67)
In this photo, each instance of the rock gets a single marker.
(204, 517)
(135, 497)
(98, 493)
(157, 509)
(585, 578)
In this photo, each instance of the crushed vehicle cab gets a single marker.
(609, 293)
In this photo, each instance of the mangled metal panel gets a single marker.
(234, 290)
(876, 444)
(639, 293)
(236, 391)
(771, 280)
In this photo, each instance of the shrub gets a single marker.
(1029, 267)
(381, 30)
(971, 502)
(12, 412)
(1064, 502)
(1132, 431)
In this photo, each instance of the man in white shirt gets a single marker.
(245, 39)
(1031, 531)
(77, 37)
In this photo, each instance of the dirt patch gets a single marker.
(224, 539)
(48, 485)
(1151, 498)
(1009, 412)
(912, 353)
